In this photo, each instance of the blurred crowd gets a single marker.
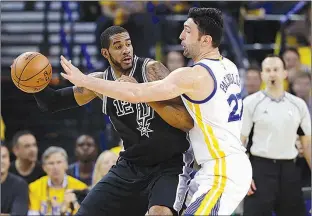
(56, 183)
(50, 185)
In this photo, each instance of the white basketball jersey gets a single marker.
(217, 119)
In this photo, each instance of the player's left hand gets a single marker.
(72, 73)
(124, 78)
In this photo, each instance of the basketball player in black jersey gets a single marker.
(150, 174)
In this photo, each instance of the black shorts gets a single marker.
(128, 189)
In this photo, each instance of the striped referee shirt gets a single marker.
(277, 122)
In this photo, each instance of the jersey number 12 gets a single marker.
(237, 111)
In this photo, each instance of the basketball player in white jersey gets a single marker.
(211, 92)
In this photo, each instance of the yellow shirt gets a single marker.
(2, 128)
(42, 196)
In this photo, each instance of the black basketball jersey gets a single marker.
(147, 138)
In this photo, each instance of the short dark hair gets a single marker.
(277, 56)
(18, 134)
(106, 35)
(209, 22)
(253, 68)
(292, 49)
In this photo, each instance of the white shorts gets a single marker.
(219, 186)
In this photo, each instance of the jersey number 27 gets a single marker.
(237, 111)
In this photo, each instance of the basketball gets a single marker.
(31, 72)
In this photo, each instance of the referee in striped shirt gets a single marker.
(276, 118)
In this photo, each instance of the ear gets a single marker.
(104, 53)
(206, 40)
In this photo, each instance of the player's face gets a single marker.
(5, 160)
(273, 73)
(27, 148)
(86, 149)
(120, 52)
(55, 166)
(190, 39)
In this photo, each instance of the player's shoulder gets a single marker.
(253, 99)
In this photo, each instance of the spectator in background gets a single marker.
(131, 16)
(302, 88)
(2, 129)
(174, 60)
(276, 118)
(47, 194)
(301, 29)
(14, 189)
(86, 152)
(252, 80)
(291, 58)
(103, 164)
(25, 149)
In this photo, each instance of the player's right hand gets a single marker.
(252, 188)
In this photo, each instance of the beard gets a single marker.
(118, 65)
(191, 50)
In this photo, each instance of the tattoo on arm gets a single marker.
(78, 90)
(157, 71)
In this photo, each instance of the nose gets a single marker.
(181, 37)
(126, 51)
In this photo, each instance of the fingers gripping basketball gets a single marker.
(31, 72)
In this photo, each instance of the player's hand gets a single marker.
(124, 78)
(72, 73)
(252, 188)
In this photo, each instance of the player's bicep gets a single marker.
(83, 95)
(157, 71)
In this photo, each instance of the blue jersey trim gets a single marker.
(214, 87)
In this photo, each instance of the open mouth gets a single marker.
(127, 60)
(272, 82)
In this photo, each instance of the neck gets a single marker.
(57, 182)
(4, 176)
(212, 54)
(85, 167)
(24, 165)
(276, 92)
(118, 72)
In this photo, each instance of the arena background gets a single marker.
(252, 30)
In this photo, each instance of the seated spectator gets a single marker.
(174, 60)
(47, 194)
(104, 162)
(253, 80)
(2, 129)
(14, 189)
(26, 165)
(118, 148)
(291, 58)
(86, 152)
(302, 87)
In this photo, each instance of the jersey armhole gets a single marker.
(214, 86)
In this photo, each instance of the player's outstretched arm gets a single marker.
(56, 100)
(172, 111)
(175, 84)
